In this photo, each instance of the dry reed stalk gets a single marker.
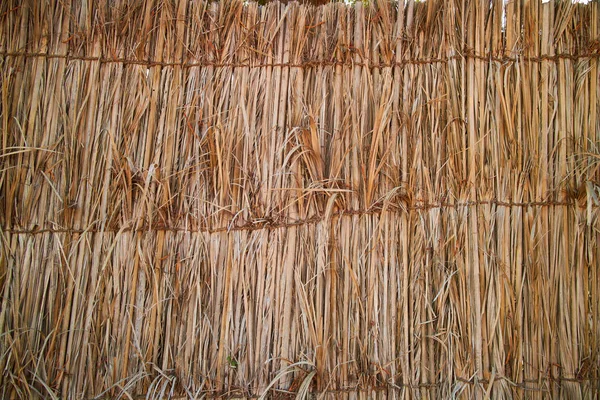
(227, 199)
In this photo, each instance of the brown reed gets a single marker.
(220, 199)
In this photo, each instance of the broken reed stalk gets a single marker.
(369, 201)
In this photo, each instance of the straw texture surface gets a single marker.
(227, 199)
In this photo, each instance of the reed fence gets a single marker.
(225, 199)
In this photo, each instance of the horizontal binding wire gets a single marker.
(269, 223)
(468, 54)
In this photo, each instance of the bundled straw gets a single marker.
(229, 199)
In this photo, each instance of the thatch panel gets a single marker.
(369, 201)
